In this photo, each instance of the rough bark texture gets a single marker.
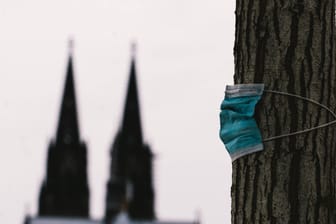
(290, 46)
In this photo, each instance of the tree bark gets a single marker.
(289, 45)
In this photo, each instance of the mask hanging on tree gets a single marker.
(238, 128)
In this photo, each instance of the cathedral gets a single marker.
(130, 197)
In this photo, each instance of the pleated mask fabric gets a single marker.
(238, 128)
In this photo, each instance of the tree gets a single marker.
(289, 45)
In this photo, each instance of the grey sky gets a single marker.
(184, 61)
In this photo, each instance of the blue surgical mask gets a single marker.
(238, 128)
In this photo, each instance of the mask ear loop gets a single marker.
(305, 130)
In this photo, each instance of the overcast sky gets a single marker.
(184, 61)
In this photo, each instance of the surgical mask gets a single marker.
(238, 128)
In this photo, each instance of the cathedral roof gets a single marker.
(58, 220)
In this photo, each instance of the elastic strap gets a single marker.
(305, 130)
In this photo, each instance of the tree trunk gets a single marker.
(289, 45)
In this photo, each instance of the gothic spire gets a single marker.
(65, 190)
(131, 123)
(68, 131)
(130, 185)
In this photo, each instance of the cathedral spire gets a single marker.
(131, 121)
(68, 131)
(65, 190)
(130, 184)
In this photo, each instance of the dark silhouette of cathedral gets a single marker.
(65, 190)
(130, 182)
(64, 195)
